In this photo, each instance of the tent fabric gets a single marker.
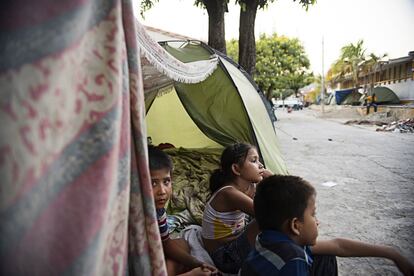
(262, 125)
(352, 98)
(75, 194)
(168, 122)
(184, 72)
(246, 76)
(340, 95)
(226, 107)
(331, 99)
(190, 51)
(385, 95)
(187, 51)
(208, 104)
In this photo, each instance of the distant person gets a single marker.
(176, 251)
(285, 208)
(371, 101)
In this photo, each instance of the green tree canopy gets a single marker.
(233, 49)
(282, 65)
(352, 61)
(351, 56)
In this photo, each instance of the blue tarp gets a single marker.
(340, 95)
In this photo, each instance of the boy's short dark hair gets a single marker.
(279, 198)
(158, 159)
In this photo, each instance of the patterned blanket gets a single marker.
(192, 170)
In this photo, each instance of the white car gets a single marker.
(296, 104)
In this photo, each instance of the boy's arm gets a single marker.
(351, 248)
(175, 251)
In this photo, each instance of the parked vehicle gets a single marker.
(295, 104)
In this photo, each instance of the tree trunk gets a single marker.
(216, 32)
(247, 43)
(269, 94)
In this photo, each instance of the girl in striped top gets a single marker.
(225, 235)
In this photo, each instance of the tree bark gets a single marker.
(216, 32)
(247, 43)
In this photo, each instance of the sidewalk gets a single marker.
(386, 112)
(364, 180)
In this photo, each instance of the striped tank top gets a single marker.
(217, 225)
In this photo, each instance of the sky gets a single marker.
(386, 26)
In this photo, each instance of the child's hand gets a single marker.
(198, 271)
(203, 270)
(267, 173)
(205, 267)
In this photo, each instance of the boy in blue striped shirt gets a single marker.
(286, 214)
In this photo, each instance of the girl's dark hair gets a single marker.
(280, 198)
(158, 159)
(233, 154)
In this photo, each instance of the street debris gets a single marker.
(329, 184)
(401, 126)
(365, 122)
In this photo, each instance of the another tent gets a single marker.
(331, 99)
(225, 108)
(352, 98)
(385, 95)
(340, 95)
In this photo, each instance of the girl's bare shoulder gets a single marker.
(226, 198)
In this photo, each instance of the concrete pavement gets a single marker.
(364, 180)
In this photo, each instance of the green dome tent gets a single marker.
(385, 95)
(225, 108)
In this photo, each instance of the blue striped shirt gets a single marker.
(276, 254)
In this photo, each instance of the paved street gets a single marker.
(371, 177)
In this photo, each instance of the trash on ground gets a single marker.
(329, 184)
(365, 122)
(401, 126)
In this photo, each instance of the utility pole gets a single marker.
(323, 81)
